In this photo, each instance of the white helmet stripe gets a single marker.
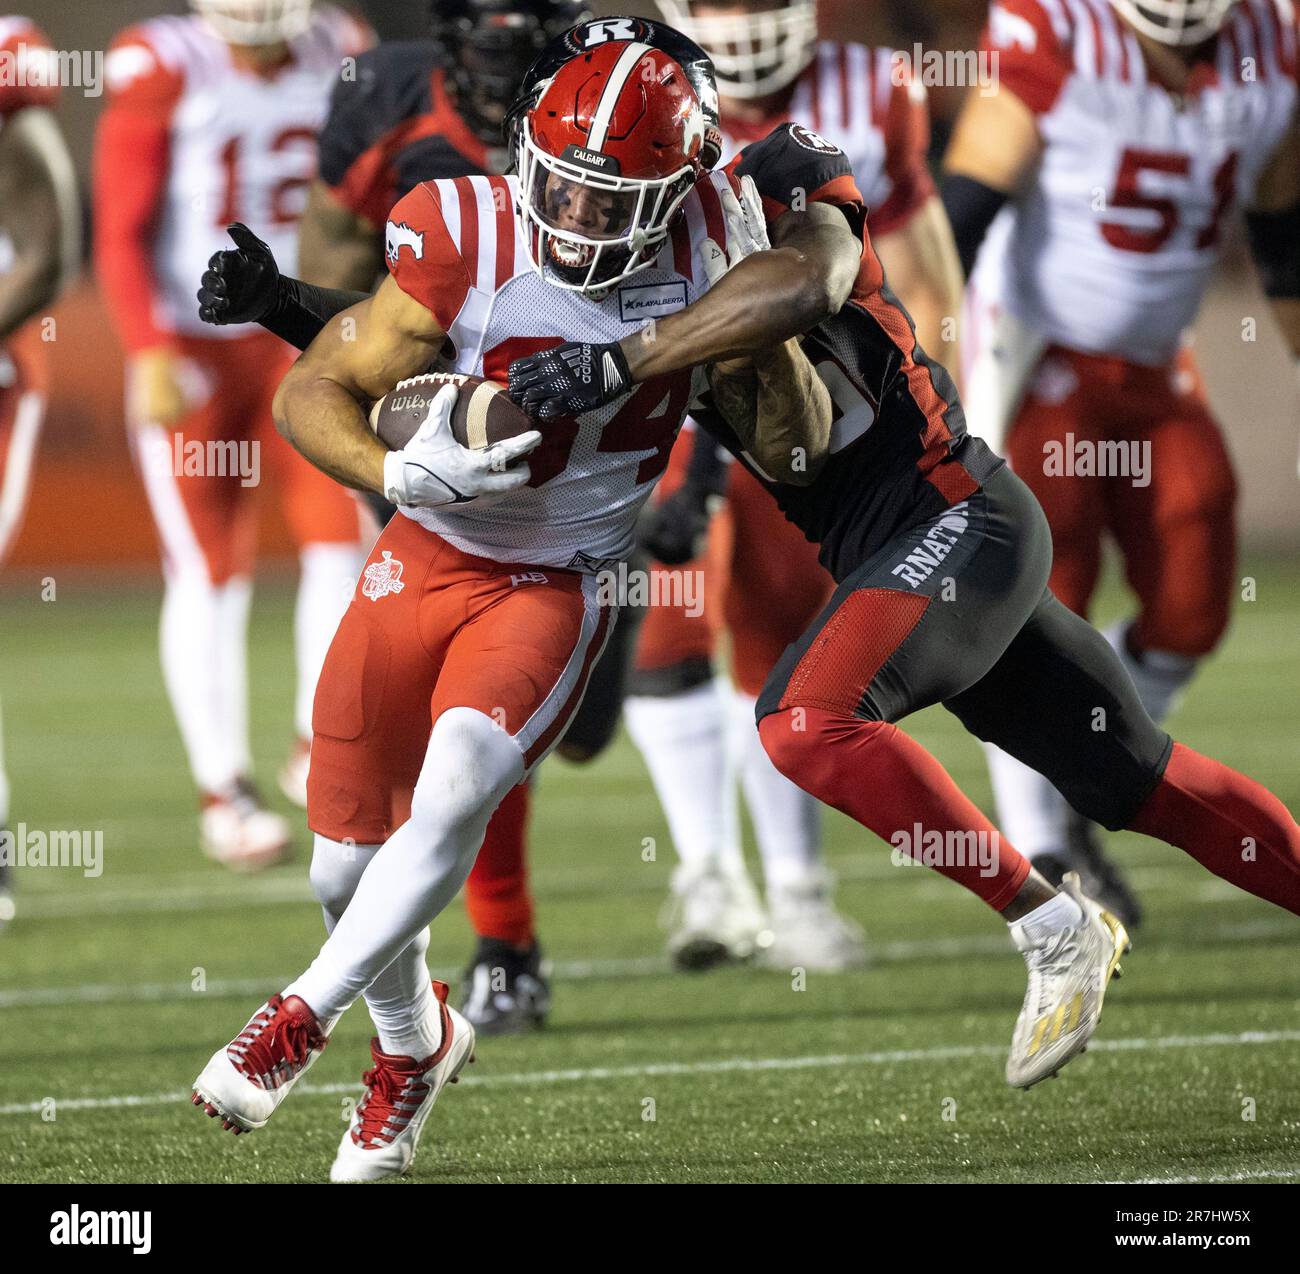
(618, 77)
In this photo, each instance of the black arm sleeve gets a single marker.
(1275, 245)
(971, 207)
(302, 309)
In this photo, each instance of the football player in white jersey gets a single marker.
(1090, 195)
(480, 612)
(765, 585)
(39, 248)
(212, 117)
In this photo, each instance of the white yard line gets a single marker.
(720, 1066)
(1263, 1174)
(153, 895)
(563, 970)
(905, 952)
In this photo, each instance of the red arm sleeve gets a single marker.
(132, 158)
(1032, 60)
(422, 257)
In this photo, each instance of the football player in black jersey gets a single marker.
(941, 556)
(417, 110)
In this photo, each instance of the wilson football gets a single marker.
(483, 413)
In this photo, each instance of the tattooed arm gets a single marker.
(804, 278)
(780, 411)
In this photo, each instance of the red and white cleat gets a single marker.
(400, 1091)
(245, 1081)
(239, 832)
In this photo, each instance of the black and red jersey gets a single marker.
(899, 447)
(395, 125)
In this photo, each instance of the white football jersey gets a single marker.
(456, 246)
(1112, 246)
(865, 102)
(242, 146)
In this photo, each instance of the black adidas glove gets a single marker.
(239, 286)
(569, 379)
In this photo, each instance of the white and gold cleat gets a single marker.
(1069, 971)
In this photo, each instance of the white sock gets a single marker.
(195, 661)
(234, 600)
(1036, 926)
(682, 738)
(1159, 676)
(325, 585)
(469, 766)
(401, 1000)
(1032, 814)
(787, 821)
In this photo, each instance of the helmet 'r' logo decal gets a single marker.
(382, 578)
(602, 30)
(399, 235)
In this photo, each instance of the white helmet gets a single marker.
(753, 53)
(1177, 22)
(255, 21)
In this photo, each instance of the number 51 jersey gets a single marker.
(456, 247)
(1111, 247)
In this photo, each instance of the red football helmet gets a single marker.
(605, 158)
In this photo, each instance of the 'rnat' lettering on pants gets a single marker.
(921, 562)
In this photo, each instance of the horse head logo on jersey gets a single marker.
(398, 235)
(606, 153)
(381, 578)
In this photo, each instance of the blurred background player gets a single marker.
(764, 578)
(419, 110)
(212, 118)
(1090, 196)
(40, 230)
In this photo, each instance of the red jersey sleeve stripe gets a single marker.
(846, 99)
(505, 229)
(468, 229)
(1274, 36)
(1262, 60)
(815, 94)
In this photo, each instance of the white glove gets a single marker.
(433, 468)
(746, 230)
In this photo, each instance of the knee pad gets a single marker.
(784, 741)
(1112, 796)
(336, 867)
(469, 766)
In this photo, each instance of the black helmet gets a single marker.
(586, 35)
(489, 44)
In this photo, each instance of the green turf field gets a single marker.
(893, 1074)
